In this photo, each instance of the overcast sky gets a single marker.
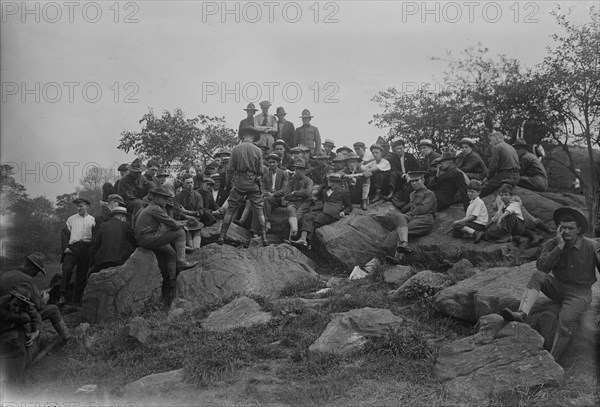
(75, 75)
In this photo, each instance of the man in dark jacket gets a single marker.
(402, 163)
(469, 162)
(114, 242)
(533, 174)
(285, 129)
(130, 189)
(427, 150)
(447, 181)
(504, 164)
(336, 205)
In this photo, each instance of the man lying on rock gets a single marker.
(573, 260)
(336, 205)
(418, 215)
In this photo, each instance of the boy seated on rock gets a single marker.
(472, 226)
(17, 311)
(336, 205)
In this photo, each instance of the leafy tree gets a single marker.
(95, 177)
(11, 191)
(64, 206)
(175, 139)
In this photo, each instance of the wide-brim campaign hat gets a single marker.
(339, 158)
(37, 259)
(193, 224)
(322, 156)
(346, 148)
(251, 107)
(520, 142)
(415, 175)
(581, 219)
(273, 156)
(426, 142)
(163, 191)
(306, 114)
(468, 141)
(353, 156)
(80, 200)
(376, 147)
(249, 131)
(119, 210)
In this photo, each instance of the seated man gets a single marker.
(427, 150)
(418, 215)
(378, 170)
(157, 231)
(504, 164)
(189, 205)
(447, 181)
(113, 201)
(131, 187)
(360, 149)
(508, 221)
(339, 163)
(17, 311)
(357, 184)
(573, 260)
(336, 205)
(401, 163)
(296, 197)
(319, 172)
(533, 174)
(114, 242)
(31, 266)
(281, 149)
(212, 211)
(476, 218)
(469, 162)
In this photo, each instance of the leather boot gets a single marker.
(63, 331)
(528, 299)
(403, 239)
(263, 235)
(364, 205)
(559, 345)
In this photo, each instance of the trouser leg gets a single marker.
(69, 263)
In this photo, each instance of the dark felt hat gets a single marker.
(249, 131)
(520, 142)
(162, 173)
(251, 107)
(468, 141)
(37, 259)
(415, 175)
(353, 156)
(80, 200)
(306, 113)
(344, 148)
(123, 167)
(193, 224)
(580, 218)
(359, 144)
(280, 111)
(446, 156)
(163, 191)
(208, 181)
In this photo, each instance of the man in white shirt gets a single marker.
(77, 253)
(266, 124)
(378, 170)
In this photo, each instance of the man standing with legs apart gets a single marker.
(77, 253)
(157, 231)
(245, 168)
(573, 260)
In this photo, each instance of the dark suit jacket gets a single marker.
(446, 184)
(338, 201)
(410, 163)
(287, 133)
(113, 243)
(209, 201)
(281, 182)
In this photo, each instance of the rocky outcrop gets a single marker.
(348, 332)
(397, 274)
(236, 235)
(500, 357)
(240, 312)
(487, 292)
(424, 283)
(123, 290)
(156, 384)
(223, 271)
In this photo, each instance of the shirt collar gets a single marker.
(577, 244)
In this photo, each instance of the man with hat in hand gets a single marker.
(573, 260)
(504, 164)
(336, 205)
(427, 150)
(157, 231)
(245, 168)
(447, 181)
(31, 266)
(285, 129)
(469, 162)
(533, 174)
(188, 205)
(113, 242)
(418, 215)
(266, 125)
(249, 120)
(308, 134)
(77, 252)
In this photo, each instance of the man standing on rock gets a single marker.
(573, 260)
(504, 164)
(245, 168)
(307, 134)
(157, 231)
(266, 125)
(32, 265)
(418, 215)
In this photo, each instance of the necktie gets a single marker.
(264, 123)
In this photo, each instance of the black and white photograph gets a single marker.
(300, 203)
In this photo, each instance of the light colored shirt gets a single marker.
(514, 206)
(271, 123)
(383, 165)
(80, 228)
(477, 208)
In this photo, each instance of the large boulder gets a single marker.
(223, 271)
(240, 312)
(123, 290)
(424, 283)
(236, 235)
(486, 292)
(348, 332)
(501, 357)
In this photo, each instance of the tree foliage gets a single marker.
(11, 191)
(175, 139)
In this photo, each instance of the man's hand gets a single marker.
(367, 173)
(456, 223)
(559, 237)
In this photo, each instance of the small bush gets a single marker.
(402, 342)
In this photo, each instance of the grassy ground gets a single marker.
(270, 364)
